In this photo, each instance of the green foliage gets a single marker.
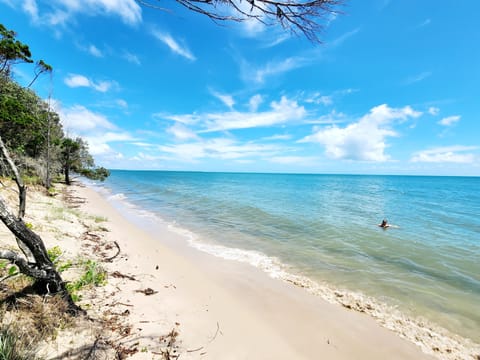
(13, 270)
(12, 51)
(54, 255)
(15, 345)
(93, 275)
(99, 173)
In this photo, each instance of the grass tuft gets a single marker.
(16, 345)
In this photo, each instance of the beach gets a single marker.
(164, 299)
(228, 310)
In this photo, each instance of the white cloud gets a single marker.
(98, 144)
(272, 68)
(218, 148)
(450, 120)
(31, 8)
(341, 39)
(122, 103)
(131, 58)
(449, 154)
(79, 119)
(181, 132)
(173, 45)
(424, 23)
(94, 127)
(277, 137)
(364, 140)
(281, 112)
(225, 98)
(255, 102)
(417, 78)
(59, 12)
(93, 50)
(76, 80)
(432, 110)
(318, 98)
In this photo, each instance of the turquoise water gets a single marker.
(323, 227)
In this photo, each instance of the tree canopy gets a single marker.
(32, 131)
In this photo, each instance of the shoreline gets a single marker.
(164, 297)
(279, 319)
(430, 337)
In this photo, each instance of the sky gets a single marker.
(392, 89)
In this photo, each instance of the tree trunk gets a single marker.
(47, 279)
(22, 190)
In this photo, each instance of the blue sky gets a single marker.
(393, 89)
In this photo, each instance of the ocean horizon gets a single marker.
(321, 231)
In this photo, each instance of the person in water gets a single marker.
(384, 224)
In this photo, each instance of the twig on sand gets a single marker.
(118, 274)
(194, 350)
(114, 256)
(216, 333)
(147, 291)
(93, 349)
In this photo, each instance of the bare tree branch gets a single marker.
(298, 16)
(23, 265)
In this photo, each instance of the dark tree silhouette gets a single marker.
(299, 16)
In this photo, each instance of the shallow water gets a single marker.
(324, 228)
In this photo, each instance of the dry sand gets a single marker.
(165, 300)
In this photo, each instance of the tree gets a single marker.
(76, 158)
(298, 16)
(71, 157)
(12, 51)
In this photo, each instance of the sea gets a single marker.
(321, 232)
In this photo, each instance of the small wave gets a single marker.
(272, 266)
(119, 197)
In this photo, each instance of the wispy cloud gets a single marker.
(227, 99)
(280, 112)
(450, 120)
(417, 78)
(344, 37)
(31, 8)
(131, 58)
(94, 127)
(218, 148)
(424, 23)
(76, 80)
(174, 45)
(93, 50)
(448, 154)
(260, 74)
(181, 132)
(60, 12)
(255, 102)
(79, 119)
(364, 140)
(432, 110)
